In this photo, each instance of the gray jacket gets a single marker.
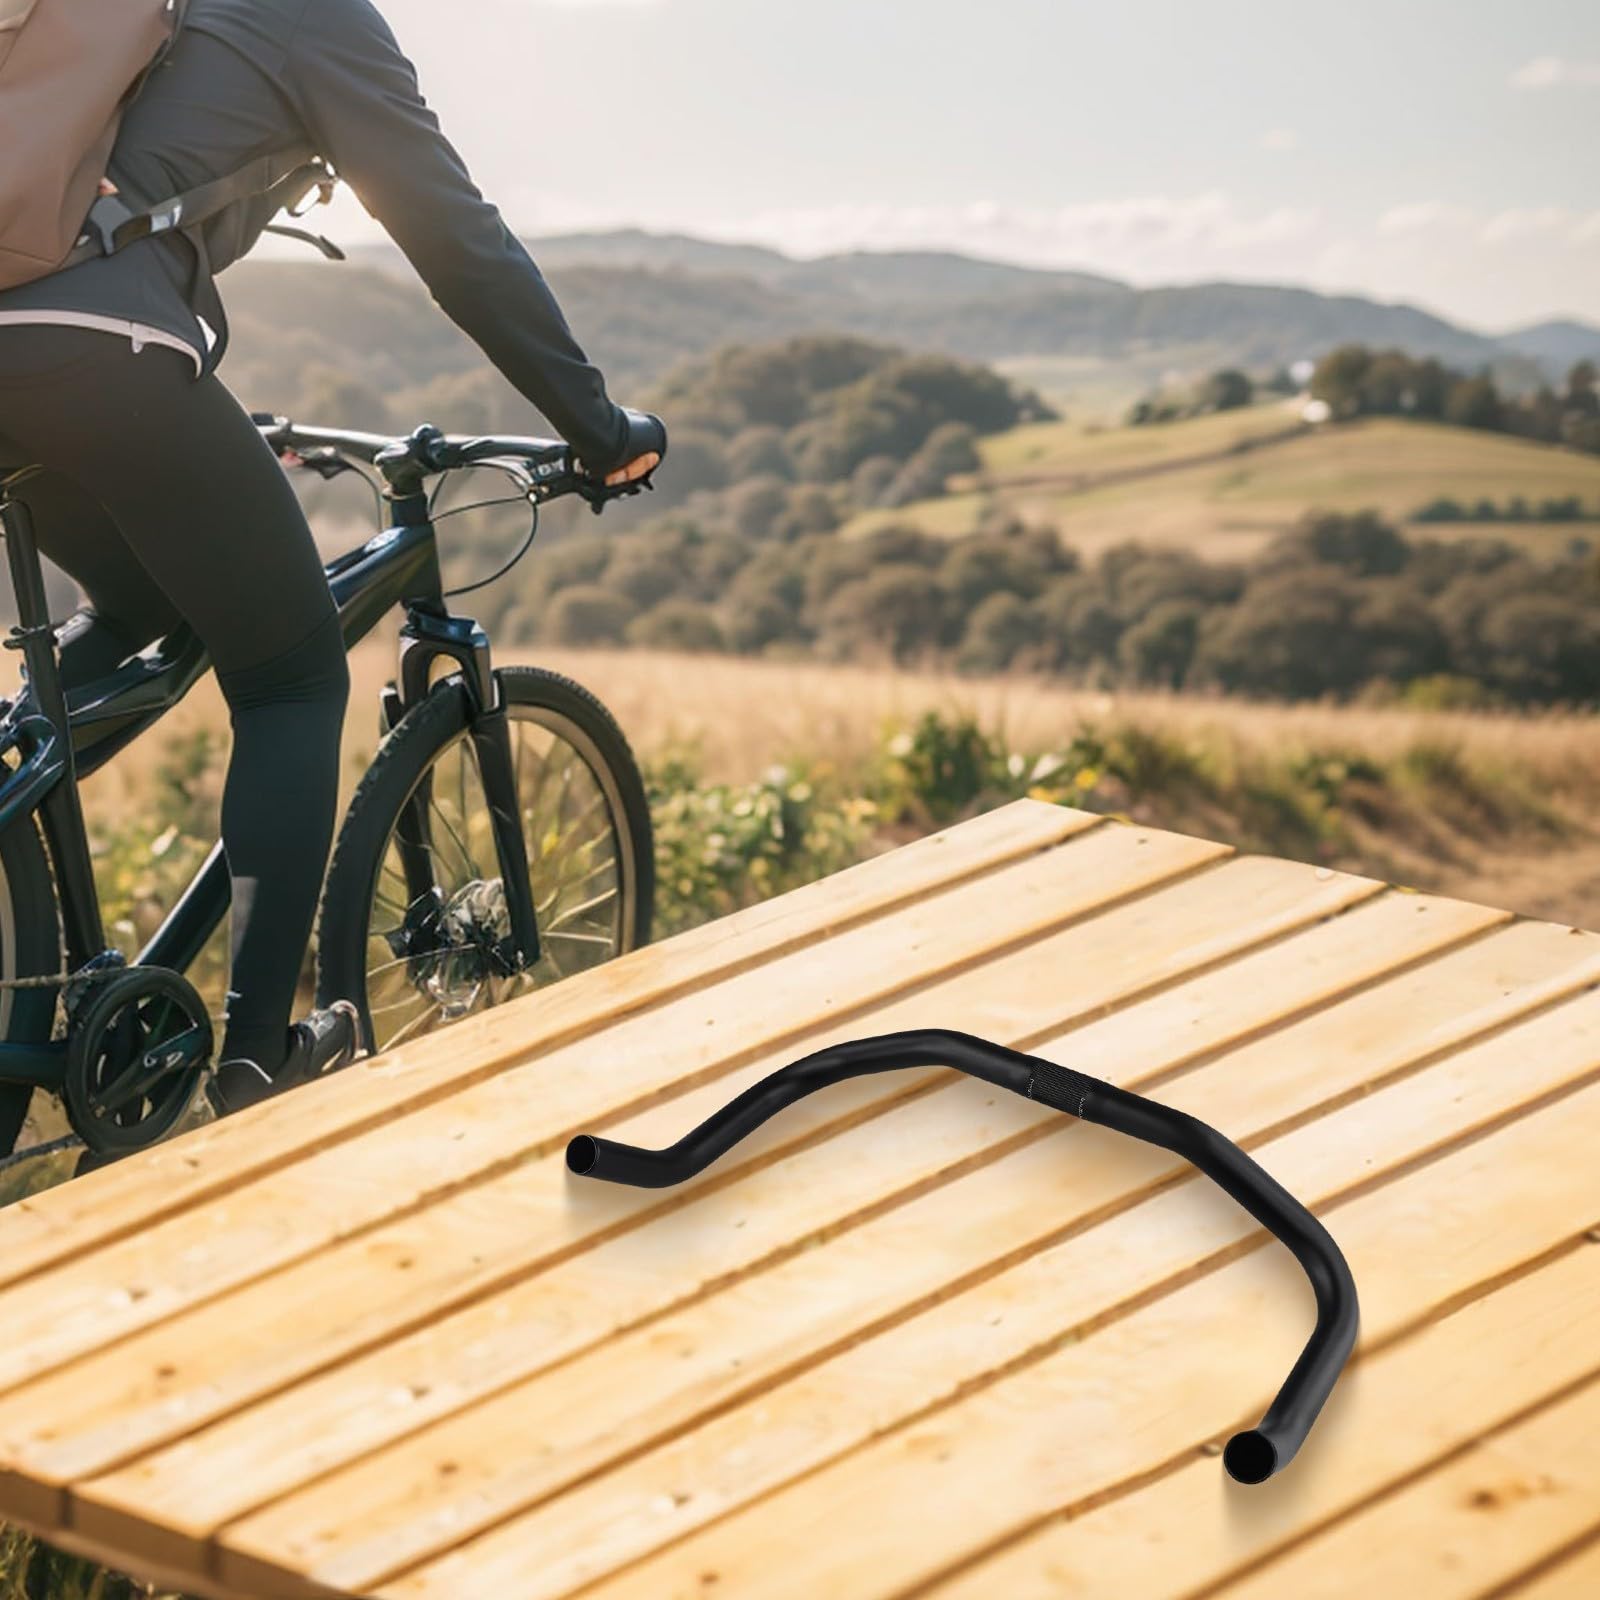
(292, 78)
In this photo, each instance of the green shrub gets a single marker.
(30, 1570)
(720, 847)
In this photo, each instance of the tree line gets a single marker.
(1356, 381)
(1340, 606)
(776, 447)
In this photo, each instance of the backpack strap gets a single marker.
(179, 10)
(113, 224)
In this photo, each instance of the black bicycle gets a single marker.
(499, 842)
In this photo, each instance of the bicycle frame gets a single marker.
(54, 738)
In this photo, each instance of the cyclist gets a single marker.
(159, 496)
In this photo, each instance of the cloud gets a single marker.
(1555, 72)
(1280, 139)
(1423, 216)
(1520, 221)
(1554, 224)
(1172, 233)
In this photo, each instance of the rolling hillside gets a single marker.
(642, 303)
(1223, 485)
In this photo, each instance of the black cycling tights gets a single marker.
(161, 500)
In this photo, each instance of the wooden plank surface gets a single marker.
(916, 1335)
(1467, 1526)
(1419, 1401)
(193, 1495)
(1573, 1574)
(1107, 1405)
(459, 1239)
(122, 1199)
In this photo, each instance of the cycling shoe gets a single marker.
(327, 1040)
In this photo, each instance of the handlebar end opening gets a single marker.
(1250, 1457)
(582, 1155)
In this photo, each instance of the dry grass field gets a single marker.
(744, 716)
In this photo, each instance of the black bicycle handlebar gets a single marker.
(1251, 1456)
(406, 464)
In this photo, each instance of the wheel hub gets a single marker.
(456, 945)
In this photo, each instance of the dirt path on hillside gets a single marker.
(1084, 482)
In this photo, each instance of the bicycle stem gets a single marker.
(1251, 1456)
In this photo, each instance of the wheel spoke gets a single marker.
(603, 940)
(574, 912)
(576, 860)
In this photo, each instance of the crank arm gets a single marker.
(179, 1054)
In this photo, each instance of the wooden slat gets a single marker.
(1530, 965)
(149, 1387)
(1413, 1403)
(1571, 1577)
(358, 1525)
(91, 1301)
(296, 1437)
(1071, 1424)
(131, 1195)
(1465, 1527)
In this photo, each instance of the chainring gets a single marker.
(139, 1044)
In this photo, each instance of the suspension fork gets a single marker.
(427, 636)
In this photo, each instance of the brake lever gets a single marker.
(600, 495)
(327, 463)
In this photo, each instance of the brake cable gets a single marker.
(482, 505)
(1251, 1456)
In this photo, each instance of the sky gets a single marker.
(1443, 152)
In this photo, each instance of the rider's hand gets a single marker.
(634, 470)
(647, 444)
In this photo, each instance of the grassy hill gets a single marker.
(1224, 485)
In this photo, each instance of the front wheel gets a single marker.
(414, 920)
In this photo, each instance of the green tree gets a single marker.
(698, 462)
(1475, 403)
(1583, 389)
(755, 508)
(758, 452)
(339, 400)
(1339, 377)
(1360, 542)
(1544, 647)
(1158, 648)
(1227, 390)
(896, 608)
(586, 614)
(1081, 626)
(810, 509)
(684, 625)
(999, 628)
(1290, 636)
(646, 570)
